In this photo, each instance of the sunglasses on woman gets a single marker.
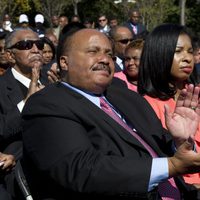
(27, 44)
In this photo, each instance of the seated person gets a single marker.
(87, 138)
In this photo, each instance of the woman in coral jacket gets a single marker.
(166, 67)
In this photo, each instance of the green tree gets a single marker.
(155, 12)
(193, 16)
(51, 7)
(14, 8)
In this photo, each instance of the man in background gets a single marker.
(121, 37)
(103, 25)
(113, 21)
(55, 26)
(23, 21)
(39, 25)
(63, 21)
(134, 24)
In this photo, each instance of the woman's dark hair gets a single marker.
(46, 40)
(156, 61)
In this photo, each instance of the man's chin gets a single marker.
(37, 64)
(103, 85)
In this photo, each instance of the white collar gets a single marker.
(21, 78)
(119, 61)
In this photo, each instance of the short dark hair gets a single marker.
(67, 31)
(133, 10)
(156, 61)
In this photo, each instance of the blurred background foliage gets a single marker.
(153, 12)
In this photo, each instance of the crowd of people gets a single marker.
(105, 112)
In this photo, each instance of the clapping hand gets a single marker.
(34, 85)
(184, 121)
(54, 73)
(183, 124)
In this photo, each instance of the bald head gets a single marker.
(81, 36)
(121, 37)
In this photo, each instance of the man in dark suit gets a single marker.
(73, 149)
(134, 24)
(121, 36)
(19, 82)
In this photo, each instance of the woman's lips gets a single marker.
(187, 69)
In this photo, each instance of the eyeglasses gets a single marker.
(27, 44)
(102, 20)
(125, 41)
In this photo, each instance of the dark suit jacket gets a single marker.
(140, 27)
(117, 67)
(73, 149)
(10, 117)
(10, 120)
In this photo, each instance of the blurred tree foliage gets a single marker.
(153, 12)
(193, 15)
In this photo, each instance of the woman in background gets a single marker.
(49, 55)
(166, 67)
(131, 62)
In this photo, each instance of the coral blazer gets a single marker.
(158, 106)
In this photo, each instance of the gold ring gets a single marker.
(193, 107)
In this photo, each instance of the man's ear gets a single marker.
(10, 56)
(64, 63)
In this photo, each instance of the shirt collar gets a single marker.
(93, 98)
(119, 61)
(21, 78)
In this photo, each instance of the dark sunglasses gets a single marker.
(28, 44)
(125, 41)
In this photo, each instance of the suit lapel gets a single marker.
(96, 113)
(134, 116)
(13, 90)
(91, 111)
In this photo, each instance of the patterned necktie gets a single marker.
(135, 29)
(167, 189)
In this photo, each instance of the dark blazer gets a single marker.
(140, 27)
(10, 120)
(117, 67)
(73, 149)
(10, 117)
